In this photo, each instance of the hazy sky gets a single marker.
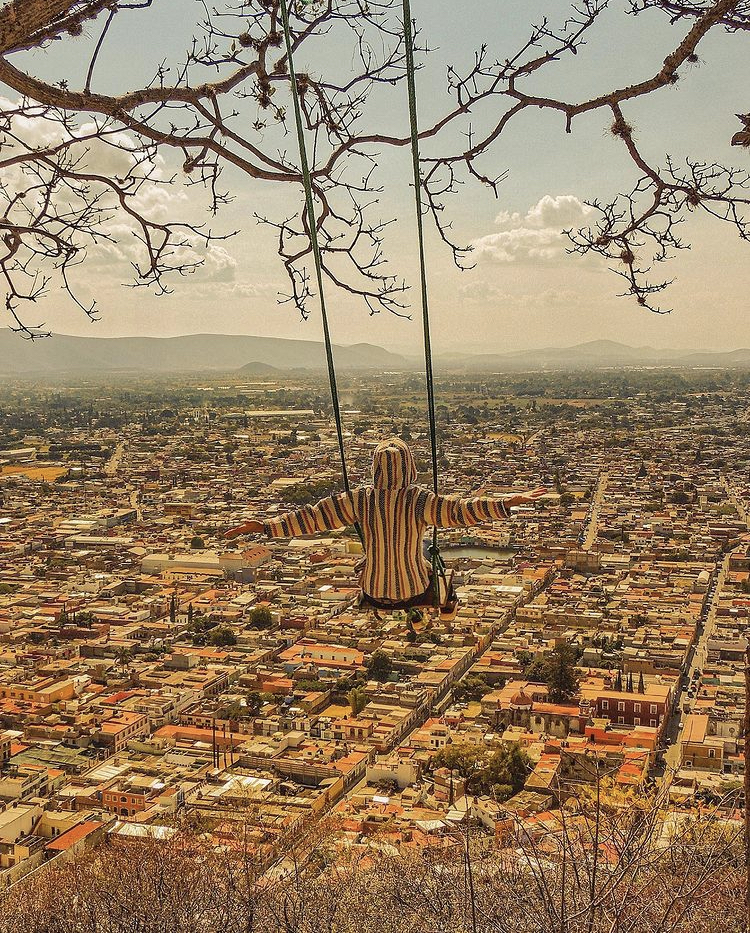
(524, 291)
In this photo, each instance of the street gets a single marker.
(589, 536)
(696, 662)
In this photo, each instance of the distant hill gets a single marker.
(258, 369)
(595, 354)
(728, 359)
(195, 353)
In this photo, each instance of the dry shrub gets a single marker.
(632, 870)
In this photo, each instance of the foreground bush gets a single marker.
(638, 870)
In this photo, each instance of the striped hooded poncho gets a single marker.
(394, 514)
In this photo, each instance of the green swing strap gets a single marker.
(315, 246)
(438, 567)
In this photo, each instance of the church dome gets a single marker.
(521, 699)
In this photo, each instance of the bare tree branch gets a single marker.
(225, 104)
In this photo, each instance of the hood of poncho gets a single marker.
(393, 465)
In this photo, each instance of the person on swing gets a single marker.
(393, 514)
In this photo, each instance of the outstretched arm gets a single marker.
(330, 513)
(457, 512)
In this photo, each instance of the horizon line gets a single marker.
(391, 349)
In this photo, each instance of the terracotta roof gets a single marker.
(72, 836)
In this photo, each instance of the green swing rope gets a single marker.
(437, 565)
(313, 230)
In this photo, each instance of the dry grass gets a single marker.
(46, 473)
(505, 438)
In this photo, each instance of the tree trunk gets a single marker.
(22, 20)
(747, 786)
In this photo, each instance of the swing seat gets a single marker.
(447, 602)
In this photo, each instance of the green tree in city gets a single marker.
(379, 666)
(221, 637)
(306, 493)
(198, 627)
(472, 687)
(557, 669)
(253, 703)
(260, 617)
(413, 616)
(312, 686)
(357, 700)
(466, 758)
(123, 656)
(234, 711)
(525, 659)
(506, 771)
(502, 772)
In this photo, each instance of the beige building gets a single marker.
(699, 749)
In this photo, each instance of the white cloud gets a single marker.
(114, 258)
(483, 292)
(218, 265)
(257, 289)
(110, 256)
(114, 154)
(535, 235)
(231, 291)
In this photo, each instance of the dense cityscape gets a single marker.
(374, 466)
(153, 672)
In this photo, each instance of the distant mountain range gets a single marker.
(269, 355)
(595, 354)
(195, 353)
